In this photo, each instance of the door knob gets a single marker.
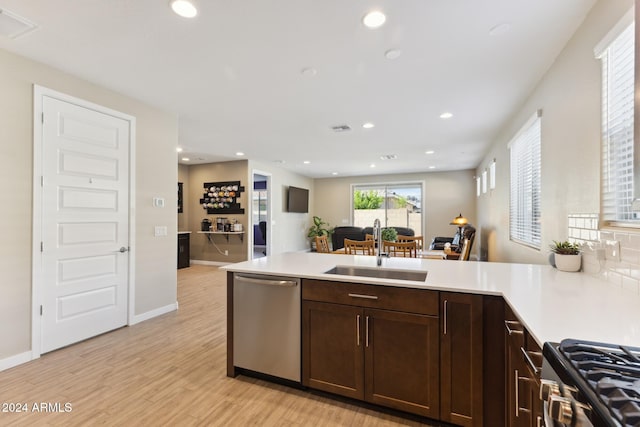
(123, 249)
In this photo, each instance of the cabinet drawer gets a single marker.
(408, 300)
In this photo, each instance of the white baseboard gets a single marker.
(154, 313)
(16, 360)
(212, 263)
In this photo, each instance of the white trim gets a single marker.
(613, 34)
(15, 360)
(36, 264)
(154, 313)
(211, 263)
(525, 126)
(269, 246)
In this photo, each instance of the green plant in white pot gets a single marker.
(567, 255)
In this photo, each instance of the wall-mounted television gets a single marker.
(298, 200)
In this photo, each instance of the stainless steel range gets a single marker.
(590, 384)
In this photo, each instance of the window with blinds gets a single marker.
(617, 56)
(524, 203)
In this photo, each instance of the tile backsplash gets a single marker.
(609, 254)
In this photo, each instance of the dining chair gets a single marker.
(418, 239)
(322, 244)
(368, 236)
(401, 249)
(359, 247)
(465, 251)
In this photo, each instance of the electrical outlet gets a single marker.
(226, 252)
(601, 254)
(612, 250)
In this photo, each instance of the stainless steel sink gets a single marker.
(379, 273)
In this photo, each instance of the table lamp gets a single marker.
(460, 221)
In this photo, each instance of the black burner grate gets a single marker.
(613, 374)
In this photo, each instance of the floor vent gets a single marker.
(14, 26)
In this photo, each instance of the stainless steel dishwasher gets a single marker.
(266, 325)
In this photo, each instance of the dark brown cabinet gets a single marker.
(461, 359)
(374, 343)
(523, 359)
(183, 250)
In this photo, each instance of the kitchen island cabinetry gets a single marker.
(523, 359)
(461, 357)
(374, 343)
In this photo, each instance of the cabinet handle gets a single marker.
(446, 305)
(512, 331)
(363, 296)
(539, 421)
(527, 358)
(517, 399)
(518, 407)
(358, 329)
(366, 337)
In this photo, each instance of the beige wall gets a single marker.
(446, 194)
(201, 248)
(288, 229)
(569, 95)
(156, 139)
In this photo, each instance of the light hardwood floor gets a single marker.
(169, 371)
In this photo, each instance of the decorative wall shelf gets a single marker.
(222, 197)
(226, 233)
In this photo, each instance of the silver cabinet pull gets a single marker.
(358, 329)
(512, 331)
(268, 282)
(527, 358)
(363, 296)
(366, 337)
(446, 305)
(517, 397)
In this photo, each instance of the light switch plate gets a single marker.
(158, 202)
(160, 230)
(612, 250)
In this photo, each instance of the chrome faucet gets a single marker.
(377, 237)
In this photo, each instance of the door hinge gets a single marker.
(40, 310)
(42, 117)
(41, 180)
(41, 246)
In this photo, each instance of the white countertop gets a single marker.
(552, 304)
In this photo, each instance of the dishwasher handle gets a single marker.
(268, 282)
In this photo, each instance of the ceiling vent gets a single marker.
(341, 128)
(14, 26)
(389, 157)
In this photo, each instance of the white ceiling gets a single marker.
(233, 74)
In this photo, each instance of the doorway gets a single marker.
(260, 215)
(82, 220)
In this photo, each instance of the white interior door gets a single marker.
(85, 223)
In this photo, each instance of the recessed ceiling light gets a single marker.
(306, 162)
(309, 72)
(334, 173)
(429, 152)
(374, 19)
(499, 29)
(392, 53)
(185, 159)
(368, 125)
(184, 8)
(446, 115)
(239, 153)
(179, 149)
(372, 165)
(432, 167)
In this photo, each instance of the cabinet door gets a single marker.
(517, 382)
(332, 348)
(461, 356)
(401, 361)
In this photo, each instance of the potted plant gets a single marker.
(389, 234)
(567, 255)
(319, 228)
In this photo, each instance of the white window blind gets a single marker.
(617, 126)
(524, 204)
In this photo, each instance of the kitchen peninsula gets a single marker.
(456, 317)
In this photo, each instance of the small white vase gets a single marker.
(568, 262)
